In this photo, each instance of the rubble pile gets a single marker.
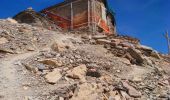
(127, 47)
(18, 38)
(96, 73)
(34, 18)
(82, 67)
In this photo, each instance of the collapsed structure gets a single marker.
(92, 15)
(34, 18)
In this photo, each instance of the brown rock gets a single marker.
(131, 90)
(78, 72)
(53, 77)
(53, 62)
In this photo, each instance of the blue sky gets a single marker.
(144, 19)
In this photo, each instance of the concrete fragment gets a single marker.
(53, 77)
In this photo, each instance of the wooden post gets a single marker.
(168, 41)
(88, 14)
(95, 20)
(72, 16)
(92, 1)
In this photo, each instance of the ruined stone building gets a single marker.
(91, 15)
(95, 15)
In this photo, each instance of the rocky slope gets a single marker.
(53, 65)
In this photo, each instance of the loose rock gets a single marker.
(131, 90)
(53, 77)
(78, 72)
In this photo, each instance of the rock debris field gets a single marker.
(39, 64)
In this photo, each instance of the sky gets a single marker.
(146, 20)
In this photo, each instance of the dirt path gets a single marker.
(11, 86)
